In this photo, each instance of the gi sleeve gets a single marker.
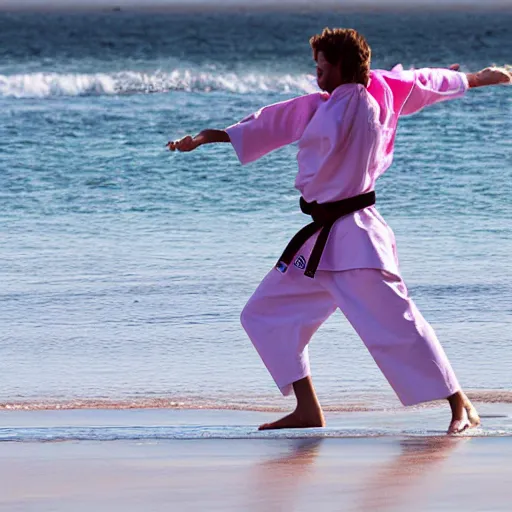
(432, 85)
(273, 126)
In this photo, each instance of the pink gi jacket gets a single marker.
(345, 142)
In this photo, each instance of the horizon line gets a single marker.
(264, 5)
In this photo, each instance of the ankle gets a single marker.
(310, 410)
(457, 399)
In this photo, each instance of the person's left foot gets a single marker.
(464, 415)
(473, 417)
(459, 424)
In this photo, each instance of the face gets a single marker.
(328, 76)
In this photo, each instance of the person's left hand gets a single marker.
(495, 75)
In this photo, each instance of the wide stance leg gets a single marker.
(400, 340)
(280, 319)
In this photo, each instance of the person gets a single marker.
(346, 258)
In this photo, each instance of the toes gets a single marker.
(473, 417)
(463, 428)
(474, 420)
(458, 426)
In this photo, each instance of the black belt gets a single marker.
(324, 216)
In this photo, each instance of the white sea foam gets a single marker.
(137, 433)
(48, 85)
(45, 85)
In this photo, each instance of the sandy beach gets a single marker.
(348, 466)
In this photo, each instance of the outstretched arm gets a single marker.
(492, 75)
(268, 129)
(190, 143)
(432, 85)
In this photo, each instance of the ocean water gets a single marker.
(124, 268)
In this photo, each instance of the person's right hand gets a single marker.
(187, 143)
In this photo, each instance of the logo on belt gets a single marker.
(300, 262)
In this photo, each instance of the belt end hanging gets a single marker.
(281, 266)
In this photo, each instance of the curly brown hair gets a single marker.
(347, 47)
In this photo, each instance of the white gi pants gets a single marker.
(287, 309)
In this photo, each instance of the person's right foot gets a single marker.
(297, 420)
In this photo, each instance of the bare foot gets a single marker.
(459, 425)
(473, 417)
(464, 415)
(297, 420)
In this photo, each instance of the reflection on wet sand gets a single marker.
(278, 481)
(283, 483)
(407, 477)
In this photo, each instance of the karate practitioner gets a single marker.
(346, 258)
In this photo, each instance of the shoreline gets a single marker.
(146, 425)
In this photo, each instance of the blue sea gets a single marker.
(124, 267)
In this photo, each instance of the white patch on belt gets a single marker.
(300, 262)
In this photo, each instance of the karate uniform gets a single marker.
(345, 142)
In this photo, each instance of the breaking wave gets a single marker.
(49, 85)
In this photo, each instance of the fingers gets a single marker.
(506, 71)
(495, 75)
(455, 67)
(184, 144)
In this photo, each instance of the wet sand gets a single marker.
(385, 473)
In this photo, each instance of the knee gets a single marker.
(247, 316)
(254, 316)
